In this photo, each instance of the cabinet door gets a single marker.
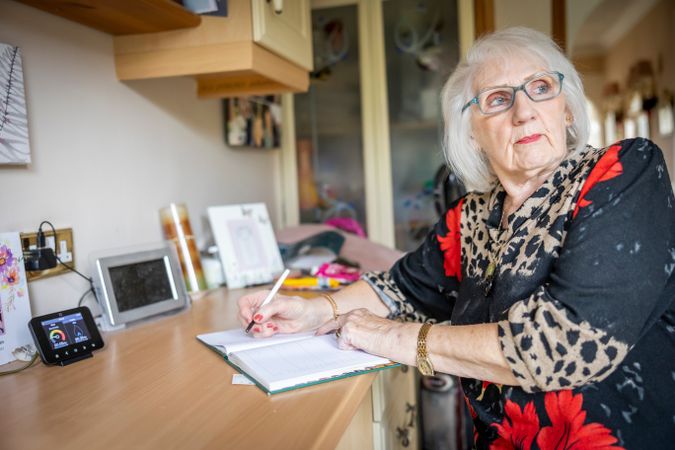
(383, 156)
(284, 27)
(421, 51)
(395, 412)
(328, 124)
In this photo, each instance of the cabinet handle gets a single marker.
(402, 435)
(278, 6)
(409, 408)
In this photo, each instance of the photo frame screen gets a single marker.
(136, 283)
(141, 284)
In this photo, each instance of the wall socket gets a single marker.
(62, 245)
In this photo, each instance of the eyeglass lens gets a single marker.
(543, 87)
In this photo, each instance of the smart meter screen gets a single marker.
(67, 330)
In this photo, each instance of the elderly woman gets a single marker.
(548, 288)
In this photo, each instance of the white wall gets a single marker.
(576, 14)
(107, 155)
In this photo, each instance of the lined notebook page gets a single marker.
(237, 340)
(303, 361)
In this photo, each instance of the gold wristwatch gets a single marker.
(423, 362)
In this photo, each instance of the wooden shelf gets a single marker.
(121, 17)
(221, 70)
(220, 54)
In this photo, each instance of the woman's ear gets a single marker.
(569, 118)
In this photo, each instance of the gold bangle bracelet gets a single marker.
(331, 300)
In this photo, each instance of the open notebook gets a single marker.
(290, 361)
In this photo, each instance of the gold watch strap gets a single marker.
(422, 340)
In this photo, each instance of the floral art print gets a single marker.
(14, 303)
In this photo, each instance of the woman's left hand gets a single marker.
(363, 330)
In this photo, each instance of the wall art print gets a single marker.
(15, 339)
(14, 148)
(253, 121)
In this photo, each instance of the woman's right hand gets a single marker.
(283, 314)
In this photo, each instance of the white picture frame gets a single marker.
(248, 249)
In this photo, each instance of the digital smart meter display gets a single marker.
(66, 330)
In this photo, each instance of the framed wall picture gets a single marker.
(248, 249)
(14, 148)
(253, 121)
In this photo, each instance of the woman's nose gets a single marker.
(523, 108)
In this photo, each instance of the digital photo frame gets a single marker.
(136, 284)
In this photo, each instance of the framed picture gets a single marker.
(15, 338)
(246, 243)
(253, 121)
(14, 148)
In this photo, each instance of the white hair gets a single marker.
(467, 161)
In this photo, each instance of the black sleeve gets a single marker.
(429, 277)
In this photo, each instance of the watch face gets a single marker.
(425, 367)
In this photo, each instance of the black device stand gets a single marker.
(75, 359)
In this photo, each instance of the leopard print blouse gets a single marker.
(582, 295)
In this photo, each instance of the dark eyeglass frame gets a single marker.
(515, 89)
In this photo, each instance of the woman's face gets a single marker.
(526, 141)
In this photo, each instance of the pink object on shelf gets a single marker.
(347, 224)
(340, 272)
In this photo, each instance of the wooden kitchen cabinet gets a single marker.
(395, 409)
(387, 418)
(287, 32)
(254, 50)
(220, 54)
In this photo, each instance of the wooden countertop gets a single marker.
(155, 386)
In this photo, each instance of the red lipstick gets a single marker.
(529, 139)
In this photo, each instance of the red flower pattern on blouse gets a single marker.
(451, 244)
(606, 168)
(518, 429)
(566, 432)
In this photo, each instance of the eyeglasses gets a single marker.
(539, 88)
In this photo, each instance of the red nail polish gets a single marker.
(276, 328)
(256, 329)
(270, 325)
(257, 317)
